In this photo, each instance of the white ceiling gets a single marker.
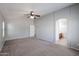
(19, 9)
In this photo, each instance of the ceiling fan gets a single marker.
(32, 15)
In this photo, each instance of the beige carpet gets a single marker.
(33, 47)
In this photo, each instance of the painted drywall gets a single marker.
(73, 33)
(2, 34)
(18, 27)
(45, 28)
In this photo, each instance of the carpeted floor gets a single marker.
(33, 47)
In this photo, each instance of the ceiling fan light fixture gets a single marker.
(32, 17)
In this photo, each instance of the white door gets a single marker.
(32, 30)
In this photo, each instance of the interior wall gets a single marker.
(73, 33)
(45, 28)
(1, 31)
(18, 27)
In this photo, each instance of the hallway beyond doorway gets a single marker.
(61, 31)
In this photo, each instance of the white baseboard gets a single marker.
(2, 46)
(18, 38)
(75, 48)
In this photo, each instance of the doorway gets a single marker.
(61, 31)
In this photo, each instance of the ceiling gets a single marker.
(18, 9)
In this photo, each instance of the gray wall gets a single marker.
(45, 28)
(73, 33)
(18, 27)
(1, 31)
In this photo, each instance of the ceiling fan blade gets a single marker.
(32, 14)
(27, 15)
(37, 15)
